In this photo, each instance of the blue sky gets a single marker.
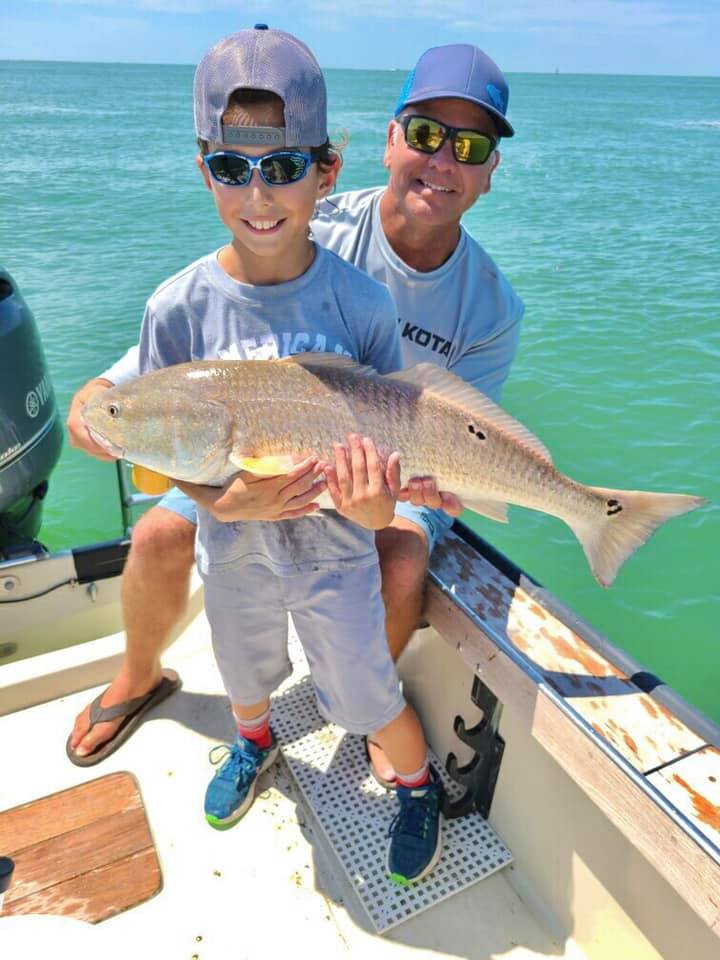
(581, 36)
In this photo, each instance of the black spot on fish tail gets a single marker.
(478, 433)
(614, 507)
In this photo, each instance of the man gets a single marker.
(455, 309)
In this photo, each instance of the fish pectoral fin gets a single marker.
(439, 382)
(150, 481)
(272, 465)
(493, 509)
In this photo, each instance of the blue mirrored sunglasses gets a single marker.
(278, 168)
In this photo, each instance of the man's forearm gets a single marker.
(77, 431)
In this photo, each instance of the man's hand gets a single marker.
(77, 431)
(250, 497)
(423, 492)
(361, 488)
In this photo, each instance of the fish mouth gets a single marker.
(107, 445)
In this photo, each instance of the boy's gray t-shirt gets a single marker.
(464, 316)
(201, 313)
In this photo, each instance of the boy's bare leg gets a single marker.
(403, 742)
(154, 596)
(403, 553)
(250, 713)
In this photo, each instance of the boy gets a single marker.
(455, 308)
(260, 118)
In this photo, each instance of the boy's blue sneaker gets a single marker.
(231, 791)
(415, 835)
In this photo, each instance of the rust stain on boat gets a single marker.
(647, 705)
(670, 716)
(631, 744)
(706, 811)
(520, 639)
(642, 730)
(578, 652)
(491, 593)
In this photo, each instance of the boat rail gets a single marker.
(648, 759)
(129, 497)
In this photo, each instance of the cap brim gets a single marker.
(504, 128)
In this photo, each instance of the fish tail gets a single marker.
(631, 516)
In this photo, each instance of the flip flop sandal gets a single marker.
(133, 711)
(388, 784)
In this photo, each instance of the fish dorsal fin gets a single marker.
(331, 360)
(448, 386)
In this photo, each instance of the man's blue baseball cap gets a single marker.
(463, 71)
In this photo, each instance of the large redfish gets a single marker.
(205, 421)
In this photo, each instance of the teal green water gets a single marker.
(604, 215)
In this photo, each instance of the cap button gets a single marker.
(260, 26)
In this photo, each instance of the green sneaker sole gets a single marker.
(409, 881)
(398, 878)
(219, 824)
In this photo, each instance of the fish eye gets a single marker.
(113, 409)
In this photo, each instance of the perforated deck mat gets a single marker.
(354, 812)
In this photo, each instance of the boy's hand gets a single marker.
(361, 488)
(78, 434)
(250, 497)
(423, 492)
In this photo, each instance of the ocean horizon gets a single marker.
(508, 73)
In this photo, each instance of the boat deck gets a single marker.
(606, 795)
(273, 878)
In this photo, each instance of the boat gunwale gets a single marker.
(698, 722)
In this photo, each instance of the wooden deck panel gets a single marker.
(642, 730)
(93, 897)
(77, 851)
(85, 852)
(65, 811)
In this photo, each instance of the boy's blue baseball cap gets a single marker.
(262, 59)
(459, 70)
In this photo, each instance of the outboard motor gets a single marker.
(30, 430)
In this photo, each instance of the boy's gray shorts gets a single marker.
(339, 617)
